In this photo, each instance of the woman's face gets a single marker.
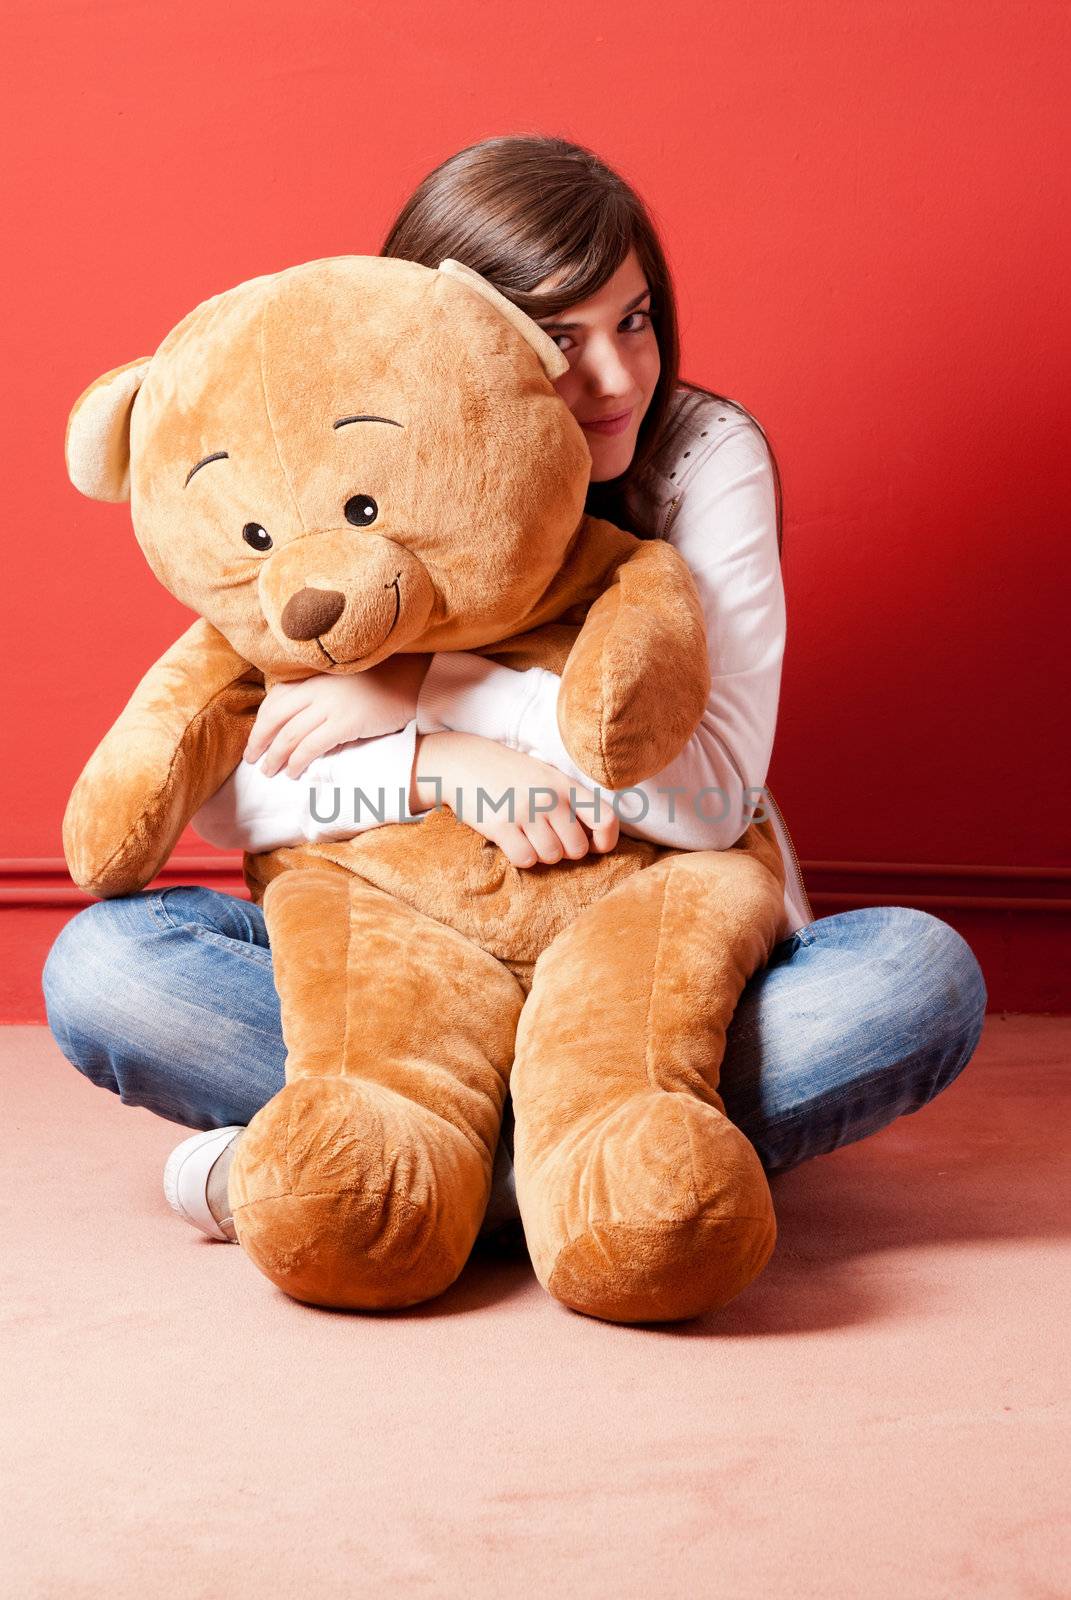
(614, 363)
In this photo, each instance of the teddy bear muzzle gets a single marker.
(333, 607)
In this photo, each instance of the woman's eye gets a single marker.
(646, 315)
(257, 536)
(361, 509)
(642, 326)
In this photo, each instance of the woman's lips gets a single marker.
(611, 425)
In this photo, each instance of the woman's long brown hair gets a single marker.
(522, 207)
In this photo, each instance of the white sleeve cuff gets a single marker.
(337, 796)
(470, 694)
(252, 812)
(364, 784)
(537, 732)
(467, 693)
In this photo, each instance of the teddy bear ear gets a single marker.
(555, 361)
(97, 443)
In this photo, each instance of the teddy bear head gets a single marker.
(343, 460)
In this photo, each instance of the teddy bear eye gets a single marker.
(361, 509)
(257, 536)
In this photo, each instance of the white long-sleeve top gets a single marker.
(711, 493)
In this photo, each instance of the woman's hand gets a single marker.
(466, 762)
(296, 722)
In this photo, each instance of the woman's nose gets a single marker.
(608, 371)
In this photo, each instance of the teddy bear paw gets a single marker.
(660, 1212)
(348, 1194)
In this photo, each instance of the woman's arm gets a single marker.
(726, 530)
(308, 774)
(286, 795)
(459, 770)
(338, 795)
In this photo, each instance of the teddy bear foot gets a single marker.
(660, 1212)
(346, 1194)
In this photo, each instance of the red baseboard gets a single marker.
(1017, 920)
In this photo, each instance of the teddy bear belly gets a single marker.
(449, 872)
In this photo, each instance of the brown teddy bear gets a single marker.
(331, 464)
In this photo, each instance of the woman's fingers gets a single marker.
(572, 824)
(606, 831)
(474, 772)
(560, 833)
(275, 710)
(315, 744)
(288, 738)
(544, 840)
(597, 814)
(577, 814)
(516, 847)
(570, 831)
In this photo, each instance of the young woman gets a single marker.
(167, 998)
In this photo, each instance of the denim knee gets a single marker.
(167, 998)
(74, 980)
(948, 1001)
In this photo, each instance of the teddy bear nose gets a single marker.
(312, 611)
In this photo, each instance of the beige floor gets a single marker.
(885, 1411)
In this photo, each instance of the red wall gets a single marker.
(862, 207)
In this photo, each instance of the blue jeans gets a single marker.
(166, 998)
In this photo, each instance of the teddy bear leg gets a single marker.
(363, 1183)
(641, 1201)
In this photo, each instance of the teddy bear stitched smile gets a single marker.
(313, 612)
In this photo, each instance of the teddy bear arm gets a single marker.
(181, 733)
(636, 682)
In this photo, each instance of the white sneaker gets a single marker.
(186, 1180)
(502, 1209)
